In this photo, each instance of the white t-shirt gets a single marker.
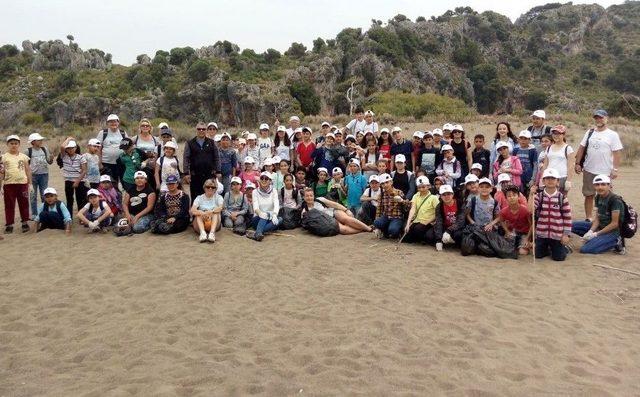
(355, 125)
(111, 146)
(265, 145)
(284, 152)
(169, 167)
(372, 193)
(204, 203)
(93, 167)
(558, 160)
(373, 127)
(95, 212)
(600, 151)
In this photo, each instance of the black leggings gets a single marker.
(80, 192)
(160, 226)
(419, 233)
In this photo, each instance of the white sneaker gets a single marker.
(212, 237)
(203, 237)
(438, 246)
(378, 233)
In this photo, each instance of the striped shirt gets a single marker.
(553, 221)
(72, 166)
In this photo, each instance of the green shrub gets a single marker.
(199, 70)
(66, 80)
(32, 118)
(487, 87)
(402, 104)
(297, 50)
(625, 77)
(535, 100)
(306, 95)
(467, 54)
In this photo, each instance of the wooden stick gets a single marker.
(615, 268)
(281, 234)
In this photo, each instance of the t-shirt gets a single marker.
(520, 221)
(131, 163)
(484, 211)
(169, 167)
(138, 199)
(305, 152)
(72, 166)
(482, 157)
(425, 206)
(427, 159)
(284, 152)
(602, 144)
(39, 164)
(450, 213)
(558, 160)
(372, 193)
(204, 203)
(385, 151)
(264, 145)
(605, 207)
(144, 145)
(403, 148)
(111, 146)
(15, 168)
(93, 167)
(95, 213)
(324, 209)
(355, 125)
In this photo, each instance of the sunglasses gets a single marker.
(201, 129)
(145, 126)
(265, 178)
(209, 187)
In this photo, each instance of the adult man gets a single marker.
(538, 128)
(294, 122)
(600, 152)
(201, 161)
(356, 124)
(110, 138)
(603, 234)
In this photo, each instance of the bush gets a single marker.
(8, 50)
(487, 87)
(535, 100)
(272, 56)
(625, 77)
(32, 118)
(306, 95)
(319, 45)
(66, 80)
(199, 70)
(402, 104)
(468, 54)
(180, 55)
(297, 50)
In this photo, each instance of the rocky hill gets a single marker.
(560, 56)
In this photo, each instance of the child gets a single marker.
(268, 166)
(265, 145)
(235, 208)
(336, 189)
(39, 160)
(289, 196)
(249, 173)
(481, 156)
(93, 161)
(515, 220)
(403, 180)
(228, 160)
(417, 148)
(438, 182)
(321, 187)
(369, 159)
(355, 184)
(389, 220)
(476, 169)
(166, 135)
(427, 156)
(369, 201)
(129, 161)
(450, 219)
(470, 188)
(278, 176)
(53, 214)
(252, 150)
(96, 214)
(382, 166)
(301, 178)
(528, 156)
(110, 195)
(449, 168)
(483, 209)
(74, 169)
(545, 142)
(15, 175)
(167, 165)
(384, 144)
(422, 215)
(504, 180)
(507, 164)
(282, 144)
(248, 196)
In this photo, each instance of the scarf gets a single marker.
(265, 192)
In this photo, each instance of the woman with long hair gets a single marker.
(503, 134)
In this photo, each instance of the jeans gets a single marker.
(391, 227)
(596, 245)
(226, 182)
(263, 226)
(39, 183)
(143, 224)
(546, 246)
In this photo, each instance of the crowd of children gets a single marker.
(439, 188)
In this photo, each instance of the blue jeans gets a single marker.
(263, 226)
(143, 224)
(596, 245)
(39, 183)
(391, 227)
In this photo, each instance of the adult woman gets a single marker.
(265, 208)
(172, 211)
(560, 156)
(148, 144)
(347, 223)
(206, 210)
(503, 134)
(507, 164)
(461, 149)
(138, 203)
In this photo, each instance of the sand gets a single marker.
(91, 315)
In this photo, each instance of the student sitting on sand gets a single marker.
(390, 213)
(235, 208)
(172, 210)
(207, 207)
(347, 223)
(482, 210)
(138, 203)
(515, 219)
(450, 218)
(110, 195)
(419, 228)
(96, 214)
(53, 213)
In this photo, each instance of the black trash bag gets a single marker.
(504, 248)
(468, 245)
(319, 224)
(366, 213)
(290, 218)
(485, 249)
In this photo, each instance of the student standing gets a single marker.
(15, 179)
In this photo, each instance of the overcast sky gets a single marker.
(129, 28)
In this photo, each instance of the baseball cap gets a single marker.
(225, 135)
(385, 129)
(217, 137)
(294, 118)
(276, 159)
(374, 178)
(299, 129)
(559, 128)
(140, 174)
(457, 127)
(336, 170)
(49, 190)
(470, 179)
(236, 179)
(539, 113)
(94, 142)
(249, 160)
(163, 125)
(504, 178)
(396, 129)
(264, 126)
(172, 179)
(325, 124)
(369, 113)
(600, 113)
(446, 147)
(93, 192)
(268, 161)
(525, 134)
(112, 117)
(551, 173)
(35, 137)
(71, 144)
(338, 131)
(476, 166)
(602, 178)
(446, 189)
(280, 128)
(249, 185)
(125, 143)
(212, 124)
(322, 169)
(252, 136)
(437, 131)
(422, 180)
(166, 131)
(355, 161)
(447, 126)
(308, 129)
(350, 137)
(400, 158)
(242, 141)
(105, 178)
(267, 174)
(382, 178)
(427, 134)
(330, 135)
(334, 127)
(485, 180)
(171, 145)
(13, 138)
(501, 144)
(418, 134)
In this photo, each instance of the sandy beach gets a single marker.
(91, 315)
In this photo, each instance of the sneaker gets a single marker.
(212, 237)
(620, 248)
(25, 228)
(8, 229)
(203, 237)
(258, 237)
(250, 234)
(378, 233)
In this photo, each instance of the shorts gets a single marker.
(587, 184)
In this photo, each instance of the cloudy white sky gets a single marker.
(128, 28)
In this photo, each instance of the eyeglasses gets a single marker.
(209, 187)
(201, 129)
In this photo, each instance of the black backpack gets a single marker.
(473, 206)
(45, 208)
(586, 146)
(629, 224)
(30, 152)
(122, 132)
(177, 165)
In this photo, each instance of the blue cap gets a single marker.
(600, 113)
(172, 179)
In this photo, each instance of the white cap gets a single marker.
(93, 192)
(294, 118)
(369, 113)
(355, 161)
(112, 117)
(236, 179)
(400, 158)
(13, 137)
(71, 144)
(504, 177)
(171, 145)
(437, 131)
(163, 125)
(418, 134)
(140, 174)
(350, 137)
(446, 189)
(35, 137)
(322, 169)
(105, 178)
(276, 159)
(280, 128)
(212, 124)
(217, 137)
(476, 166)
(539, 113)
(242, 141)
(49, 190)
(485, 180)
(374, 178)
(251, 135)
(602, 178)
(330, 135)
(264, 126)
(249, 160)
(470, 179)
(305, 128)
(334, 127)
(336, 170)
(396, 129)
(524, 134)
(457, 127)
(268, 161)
(422, 180)
(249, 185)
(447, 126)
(551, 173)
(385, 129)
(94, 142)
(382, 178)
(325, 124)
(446, 147)
(501, 144)
(225, 134)
(267, 174)
(299, 129)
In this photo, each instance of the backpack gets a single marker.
(30, 152)
(473, 206)
(45, 208)
(586, 146)
(629, 224)
(539, 207)
(566, 151)
(105, 132)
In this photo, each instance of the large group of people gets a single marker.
(441, 187)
